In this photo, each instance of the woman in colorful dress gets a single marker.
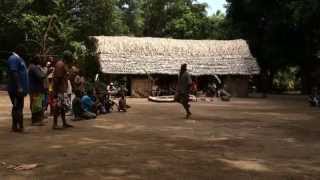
(37, 91)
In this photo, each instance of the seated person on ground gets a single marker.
(122, 103)
(314, 98)
(155, 90)
(88, 102)
(102, 100)
(78, 110)
(111, 89)
(225, 95)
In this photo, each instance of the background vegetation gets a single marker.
(283, 35)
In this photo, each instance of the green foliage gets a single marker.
(287, 80)
(182, 19)
(186, 25)
(280, 33)
(52, 26)
(132, 16)
(3, 70)
(218, 27)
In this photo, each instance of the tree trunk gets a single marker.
(263, 83)
(306, 78)
(271, 74)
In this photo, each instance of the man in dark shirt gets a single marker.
(17, 87)
(183, 89)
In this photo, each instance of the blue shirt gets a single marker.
(87, 103)
(16, 64)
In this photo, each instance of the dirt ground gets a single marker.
(245, 139)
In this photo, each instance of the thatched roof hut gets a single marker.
(134, 56)
(137, 57)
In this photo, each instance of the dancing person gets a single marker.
(183, 89)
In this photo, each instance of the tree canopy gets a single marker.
(280, 33)
(67, 22)
(50, 26)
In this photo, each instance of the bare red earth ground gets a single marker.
(269, 139)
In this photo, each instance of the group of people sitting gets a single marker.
(85, 100)
(57, 85)
(92, 103)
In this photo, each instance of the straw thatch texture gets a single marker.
(130, 55)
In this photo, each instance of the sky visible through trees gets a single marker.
(214, 5)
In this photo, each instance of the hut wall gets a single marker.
(238, 86)
(140, 87)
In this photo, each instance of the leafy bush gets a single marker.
(287, 80)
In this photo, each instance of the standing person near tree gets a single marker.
(50, 66)
(37, 91)
(46, 70)
(60, 87)
(183, 89)
(17, 87)
(79, 82)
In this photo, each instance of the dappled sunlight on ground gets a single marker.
(247, 165)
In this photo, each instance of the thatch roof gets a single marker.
(131, 55)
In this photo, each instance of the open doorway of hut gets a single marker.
(165, 85)
(203, 82)
(119, 80)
